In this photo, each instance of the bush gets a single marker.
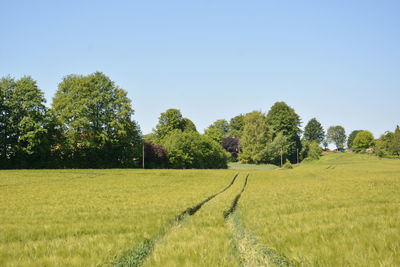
(310, 150)
(287, 165)
(362, 141)
(188, 150)
(155, 156)
(231, 144)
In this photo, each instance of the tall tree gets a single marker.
(336, 135)
(351, 137)
(25, 124)
(255, 138)
(218, 130)
(168, 121)
(282, 118)
(96, 116)
(314, 131)
(236, 126)
(189, 126)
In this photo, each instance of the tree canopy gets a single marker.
(363, 140)
(96, 119)
(26, 125)
(351, 137)
(336, 135)
(256, 135)
(282, 118)
(314, 131)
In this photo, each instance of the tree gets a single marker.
(168, 121)
(363, 140)
(336, 135)
(231, 145)
(276, 149)
(236, 126)
(351, 137)
(96, 119)
(188, 125)
(310, 150)
(256, 135)
(188, 150)
(282, 118)
(314, 131)
(218, 130)
(26, 125)
(388, 144)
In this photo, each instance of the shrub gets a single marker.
(287, 165)
(362, 141)
(155, 156)
(188, 150)
(231, 145)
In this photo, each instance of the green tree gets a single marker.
(363, 140)
(25, 124)
(188, 150)
(188, 125)
(310, 150)
(283, 118)
(256, 136)
(336, 135)
(168, 121)
(351, 137)
(218, 130)
(314, 131)
(236, 126)
(96, 119)
(276, 149)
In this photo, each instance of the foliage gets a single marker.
(351, 137)
(362, 141)
(256, 135)
(336, 135)
(287, 165)
(188, 150)
(27, 128)
(388, 144)
(231, 145)
(314, 131)
(310, 150)
(95, 115)
(282, 118)
(236, 126)
(168, 121)
(276, 149)
(188, 125)
(218, 130)
(155, 156)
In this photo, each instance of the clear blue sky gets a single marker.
(336, 61)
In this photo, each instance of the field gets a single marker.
(342, 210)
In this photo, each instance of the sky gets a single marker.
(337, 61)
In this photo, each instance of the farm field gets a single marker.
(342, 210)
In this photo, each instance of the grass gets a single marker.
(242, 166)
(342, 210)
(91, 217)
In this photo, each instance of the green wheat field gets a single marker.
(342, 210)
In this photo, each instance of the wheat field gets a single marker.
(342, 210)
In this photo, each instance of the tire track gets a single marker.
(137, 256)
(251, 253)
(235, 201)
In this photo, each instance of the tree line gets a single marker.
(90, 125)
